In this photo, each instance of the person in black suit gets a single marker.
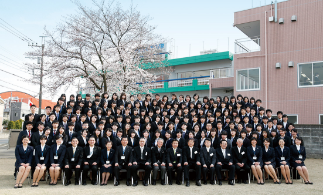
(239, 155)
(35, 138)
(174, 161)
(268, 157)
(282, 154)
(180, 139)
(123, 160)
(208, 160)
(191, 159)
(28, 132)
(297, 158)
(73, 160)
(92, 157)
(57, 154)
(158, 160)
(24, 155)
(141, 160)
(286, 139)
(107, 162)
(168, 139)
(70, 134)
(246, 141)
(224, 161)
(254, 153)
(83, 139)
(42, 153)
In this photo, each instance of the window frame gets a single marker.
(320, 118)
(248, 69)
(304, 86)
(288, 115)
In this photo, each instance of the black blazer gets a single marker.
(35, 139)
(39, 153)
(24, 132)
(158, 156)
(137, 155)
(208, 158)
(127, 154)
(168, 143)
(279, 154)
(224, 160)
(105, 158)
(239, 157)
(22, 156)
(135, 142)
(187, 155)
(60, 153)
(96, 156)
(294, 153)
(269, 155)
(171, 157)
(181, 143)
(78, 156)
(81, 141)
(251, 153)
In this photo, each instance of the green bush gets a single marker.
(11, 125)
(5, 122)
(18, 124)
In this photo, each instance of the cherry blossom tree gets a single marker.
(106, 47)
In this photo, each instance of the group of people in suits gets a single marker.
(105, 136)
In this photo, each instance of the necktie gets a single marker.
(29, 134)
(70, 135)
(142, 153)
(73, 151)
(191, 153)
(175, 155)
(54, 132)
(123, 149)
(47, 118)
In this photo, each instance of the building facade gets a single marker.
(281, 59)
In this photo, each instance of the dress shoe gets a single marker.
(163, 182)
(245, 182)
(198, 183)
(135, 183)
(128, 183)
(239, 181)
(220, 182)
(117, 183)
(178, 183)
(153, 182)
(84, 183)
(170, 183)
(205, 182)
(144, 183)
(187, 184)
(76, 182)
(68, 182)
(212, 182)
(230, 182)
(94, 182)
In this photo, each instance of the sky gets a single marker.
(191, 26)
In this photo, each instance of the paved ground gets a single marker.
(7, 182)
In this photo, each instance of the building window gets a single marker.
(292, 118)
(310, 74)
(321, 119)
(248, 79)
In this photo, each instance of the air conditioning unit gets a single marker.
(291, 64)
(281, 21)
(294, 18)
(271, 18)
(278, 65)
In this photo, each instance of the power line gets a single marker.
(4, 49)
(17, 30)
(17, 86)
(13, 67)
(11, 59)
(10, 63)
(13, 33)
(13, 74)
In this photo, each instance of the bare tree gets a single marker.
(109, 48)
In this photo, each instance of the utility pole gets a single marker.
(41, 71)
(10, 107)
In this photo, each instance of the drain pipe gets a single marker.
(266, 61)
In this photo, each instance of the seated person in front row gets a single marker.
(73, 160)
(254, 153)
(57, 154)
(191, 160)
(297, 158)
(268, 157)
(174, 161)
(123, 160)
(141, 159)
(42, 153)
(208, 160)
(107, 162)
(224, 161)
(24, 155)
(282, 157)
(92, 157)
(158, 160)
(240, 159)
